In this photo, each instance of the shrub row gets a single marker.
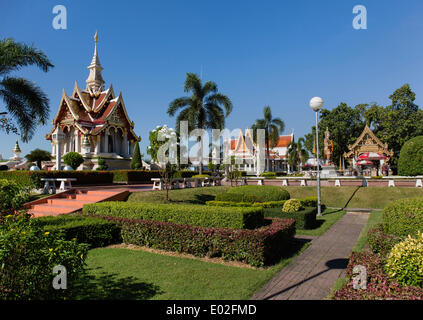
(404, 217)
(268, 204)
(254, 194)
(257, 247)
(305, 219)
(379, 285)
(93, 231)
(196, 215)
(381, 242)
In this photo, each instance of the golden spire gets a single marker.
(96, 37)
(95, 82)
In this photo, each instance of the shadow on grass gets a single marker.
(108, 286)
(352, 196)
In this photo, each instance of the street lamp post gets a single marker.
(316, 104)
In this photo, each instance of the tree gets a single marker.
(37, 156)
(27, 104)
(167, 174)
(73, 159)
(136, 161)
(410, 161)
(272, 128)
(206, 108)
(296, 153)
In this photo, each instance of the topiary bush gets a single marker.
(73, 159)
(410, 162)
(292, 205)
(304, 219)
(403, 217)
(405, 261)
(269, 175)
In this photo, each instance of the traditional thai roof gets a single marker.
(94, 109)
(368, 142)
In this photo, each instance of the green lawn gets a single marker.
(328, 218)
(357, 197)
(115, 273)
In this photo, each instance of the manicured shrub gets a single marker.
(405, 261)
(73, 159)
(228, 204)
(28, 255)
(201, 176)
(12, 196)
(136, 161)
(196, 215)
(102, 165)
(256, 247)
(135, 176)
(305, 218)
(292, 205)
(94, 231)
(254, 194)
(410, 162)
(309, 201)
(381, 242)
(379, 285)
(403, 217)
(269, 175)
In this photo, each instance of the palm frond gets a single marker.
(279, 123)
(14, 55)
(177, 104)
(267, 113)
(193, 83)
(26, 102)
(222, 100)
(209, 87)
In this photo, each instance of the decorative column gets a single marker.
(131, 147)
(86, 146)
(53, 149)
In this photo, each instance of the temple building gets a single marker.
(94, 122)
(244, 148)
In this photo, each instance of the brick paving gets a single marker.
(312, 274)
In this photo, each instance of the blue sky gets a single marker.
(277, 53)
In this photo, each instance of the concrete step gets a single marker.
(96, 192)
(53, 209)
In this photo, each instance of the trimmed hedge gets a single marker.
(254, 194)
(268, 204)
(134, 176)
(381, 242)
(404, 217)
(196, 215)
(305, 219)
(94, 231)
(257, 247)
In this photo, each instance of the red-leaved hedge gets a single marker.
(256, 247)
(379, 285)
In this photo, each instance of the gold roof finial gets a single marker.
(96, 37)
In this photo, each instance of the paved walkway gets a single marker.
(312, 274)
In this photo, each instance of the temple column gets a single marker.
(131, 147)
(77, 141)
(53, 149)
(106, 141)
(97, 145)
(125, 145)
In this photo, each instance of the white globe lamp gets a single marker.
(316, 104)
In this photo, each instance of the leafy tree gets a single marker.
(272, 127)
(136, 161)
(73, 159)
(206, 108)
(27, 104)
(167, 173)
(37, 156)
(410, 161)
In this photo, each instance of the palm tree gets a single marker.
(203, 109)
(272, 128)
(296, 153)
(27, 104)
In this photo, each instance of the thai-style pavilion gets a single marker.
(95, 122)
(367, 142)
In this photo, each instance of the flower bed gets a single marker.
(379, 285)
(256, 247)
